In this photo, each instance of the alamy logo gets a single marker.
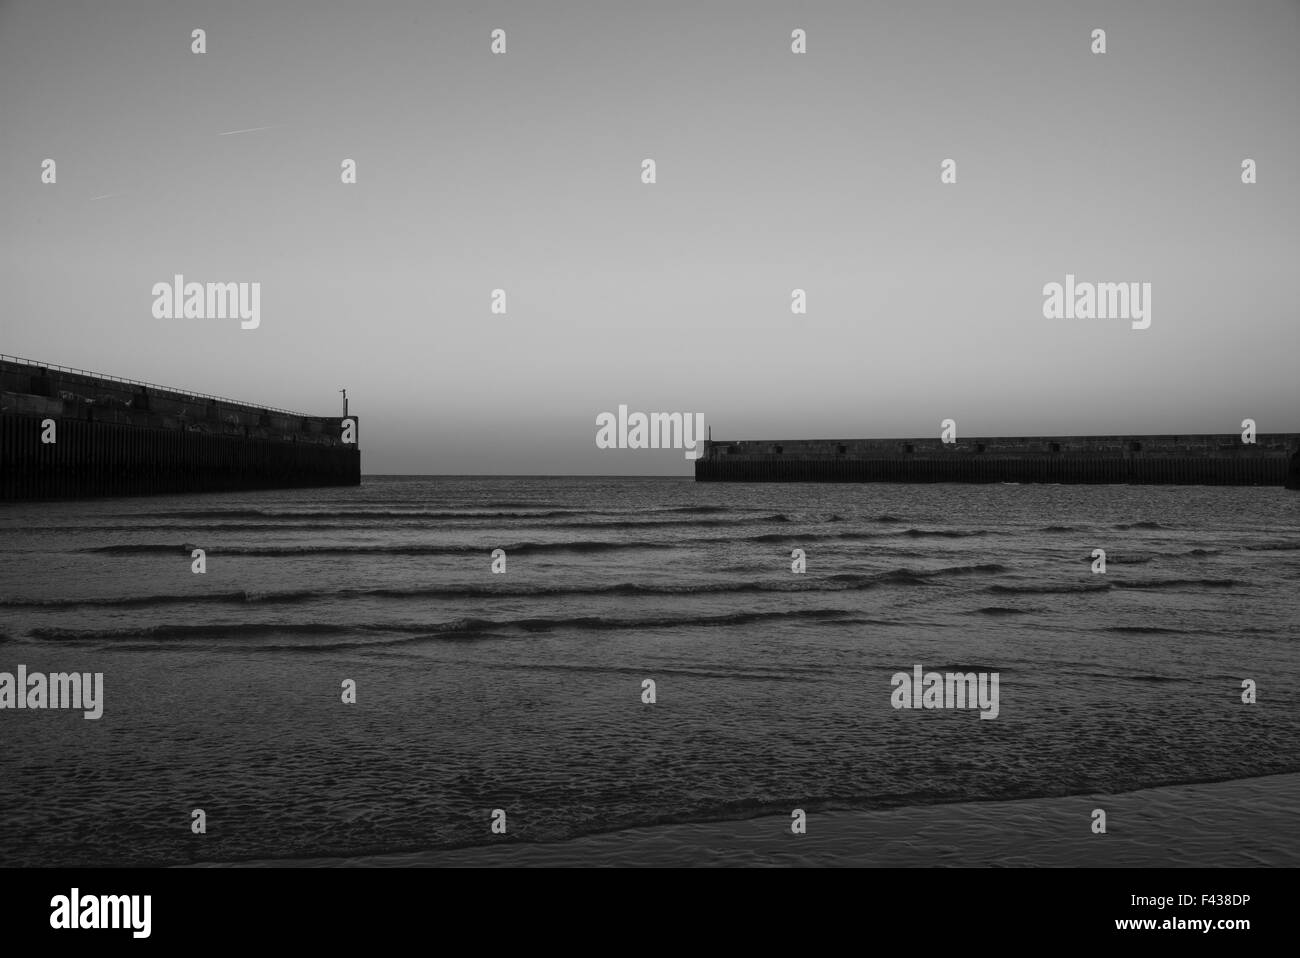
(658, 430)
(102, 911)
(181, 300)
(1098, 301)
(948, 690)
(58, 690)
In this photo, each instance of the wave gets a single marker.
(396, 550)
(893, 577)
(810, 537)
(1179, 584)
(455, 627)
(1139, 525)
(982, 567)
(1048, 589)
(1114, 584)
(212, 630)
(202, 598)
(840, 582)
(254, 526)
(1141, 558)
(1152, 678)
(376, 513)
(863, 536)
(580, 545)
(142, 548)
(694, 509)
(681, 523)
(521, 504)
(963, 667)
(906, 576)
(522, 522)
(1143, 630)
(539, 512)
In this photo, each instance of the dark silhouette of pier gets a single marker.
(122, 437)
(1220, 460)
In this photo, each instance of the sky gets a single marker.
(775, 171)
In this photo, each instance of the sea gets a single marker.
(524, 691)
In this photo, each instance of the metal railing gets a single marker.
(188, 393)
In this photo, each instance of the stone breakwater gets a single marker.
(68, 433)
(1273, 459)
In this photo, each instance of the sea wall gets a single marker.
(1171, 460)
(120, 437)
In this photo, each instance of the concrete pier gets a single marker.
(1272, 460)
(120, 437)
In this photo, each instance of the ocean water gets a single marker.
(522, 691)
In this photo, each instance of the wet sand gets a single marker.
(1244, 823)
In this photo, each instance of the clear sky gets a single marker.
(775, 171)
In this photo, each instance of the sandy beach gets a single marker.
(1244, 823)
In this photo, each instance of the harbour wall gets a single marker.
(1272, 460)
(118, 437)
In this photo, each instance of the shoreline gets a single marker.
(1252, 822)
